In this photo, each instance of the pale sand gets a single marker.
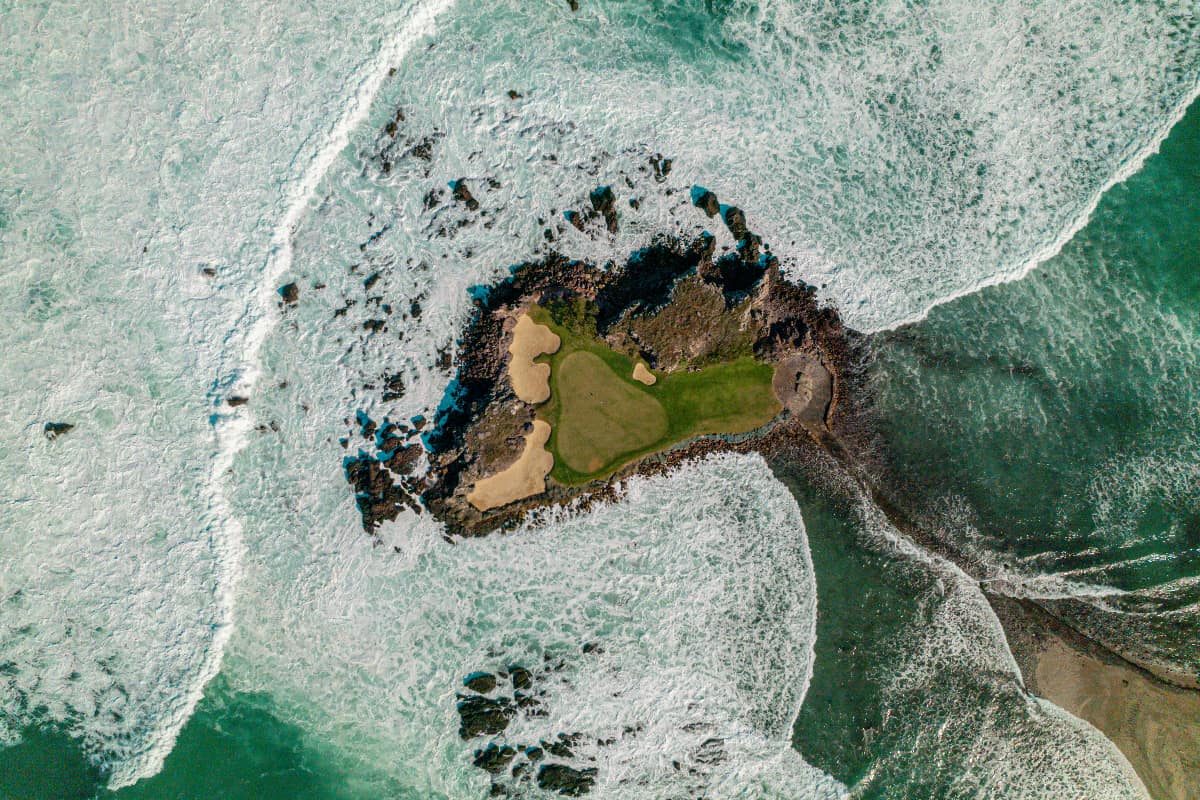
(525, 478)
(640, 373)
(531, 381)
(1156, 726)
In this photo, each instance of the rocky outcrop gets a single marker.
(646, 308)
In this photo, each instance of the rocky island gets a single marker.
(573, 376)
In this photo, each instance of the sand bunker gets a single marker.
(640, 373)
(525, 478)
(531, 381)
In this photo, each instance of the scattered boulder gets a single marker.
(706, 201)
(290, 293)
(463, 195)
(604, 202)
(481, 716)
(566, 780)
(235, 400)
(482, 682)
(574, 4)
(661, 166)
(521, 677)
(52, 430)
(494, 759)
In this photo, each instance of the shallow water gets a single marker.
(895, 156)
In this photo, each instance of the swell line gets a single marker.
(231, 430)
(1126, 170)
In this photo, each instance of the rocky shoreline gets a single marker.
(643, 309)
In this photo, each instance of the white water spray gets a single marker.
(232, 429)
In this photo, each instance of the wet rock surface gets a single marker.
(492, 700)
(566, 780)
(53, 430)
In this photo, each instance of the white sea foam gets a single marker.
(697, 588)
(1044, 253)
(232, 430)
(143, 143)
(958, 709)
(898, 159)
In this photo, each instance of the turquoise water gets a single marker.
(1048, 430)
(168, 170)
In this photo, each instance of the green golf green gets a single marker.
(602, 418)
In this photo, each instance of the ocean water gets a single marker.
(902, 157)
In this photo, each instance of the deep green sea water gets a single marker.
(168, 170)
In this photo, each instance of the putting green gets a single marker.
(607, 417)
(602, 417)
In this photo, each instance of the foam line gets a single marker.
(1129, 168)
(232, 430)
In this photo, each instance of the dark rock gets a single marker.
(574, 4)
(432, 198)
(525, 700)
(370, 280)
(748, 242)
(377, 493)
(494, 759)
(521, 677)
(484, 716)
(208, 272)
(482, 682)
(393, 387)
(662, 167)
(289, 292)
(423, 149)
(561, 748)
(463, 194)
(735, 220)
(374, 325)
(706, 201)
(604, 202)
(513, 94)
(53, 430)
(566, 780)
(237, 400)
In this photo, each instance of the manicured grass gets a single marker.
(602, 418)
